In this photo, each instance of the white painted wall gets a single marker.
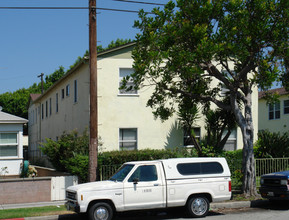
(59, 185)
(13, 164)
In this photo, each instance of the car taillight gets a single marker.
(230, 186)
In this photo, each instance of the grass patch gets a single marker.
(32, 212)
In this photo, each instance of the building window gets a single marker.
(188, 142)
(231, 143)
(128, 138)
(67, 90)
(46, 109)
(8, 145)
(286, 106)
(56, 102)
(124, 72)
(274, 111)
(42, 111)
(75, 90)
(62, 93)
(50, 107)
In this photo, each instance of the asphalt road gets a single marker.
(279, 211)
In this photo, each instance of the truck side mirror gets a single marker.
(135, 180)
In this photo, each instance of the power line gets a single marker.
(138, 2)
(67, 8)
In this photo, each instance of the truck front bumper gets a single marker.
(274, 194)
(72, 206)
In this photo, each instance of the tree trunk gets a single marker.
(245, 122)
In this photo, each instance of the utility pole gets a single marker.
(41, 75)
(93, 143)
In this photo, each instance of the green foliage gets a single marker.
(68, 146)
(219, 125)
(20, 213)
(186, 47)
(120, 157)
(77, 165)
(272, 145)
(16, 102)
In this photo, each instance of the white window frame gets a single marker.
(232, 139)
(122, 74)
(274, 110)
(11, 144)
(122, 141)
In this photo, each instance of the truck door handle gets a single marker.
(156, 184)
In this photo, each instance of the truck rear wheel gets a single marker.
(198, 206)
(100, 211)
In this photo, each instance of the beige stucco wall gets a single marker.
(129, 111)
(115, 110)
(70, 116)
(274, 125)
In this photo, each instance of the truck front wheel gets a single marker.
(198, 206)
(100, 211)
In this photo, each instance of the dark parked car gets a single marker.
(275, 186)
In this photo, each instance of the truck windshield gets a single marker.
(122, 173)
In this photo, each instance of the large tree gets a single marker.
(187, 46)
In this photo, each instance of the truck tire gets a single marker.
(198, 206)
(100, 211)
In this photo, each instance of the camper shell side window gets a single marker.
(200, 168)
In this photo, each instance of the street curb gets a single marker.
(50, 217)
(231, 205)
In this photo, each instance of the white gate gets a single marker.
(59, 184)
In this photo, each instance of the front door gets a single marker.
(144, 189)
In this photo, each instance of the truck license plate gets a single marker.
(270, 194)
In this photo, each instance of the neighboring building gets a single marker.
(274, 117)
(124, 121)
(11, 143)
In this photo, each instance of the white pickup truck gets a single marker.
(189, 182)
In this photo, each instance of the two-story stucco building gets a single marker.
(124, 121)
(274, 117)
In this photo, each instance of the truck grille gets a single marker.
(70, 195)
(272, 182)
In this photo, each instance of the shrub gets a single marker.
(120, 157)
(65, 149)
(272, 145)
(77, 165)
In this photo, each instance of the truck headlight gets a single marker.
(261, 181)
(71, 195)
(284, 182)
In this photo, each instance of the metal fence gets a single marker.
(106, 171)
(262, 166)
(270, 165)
